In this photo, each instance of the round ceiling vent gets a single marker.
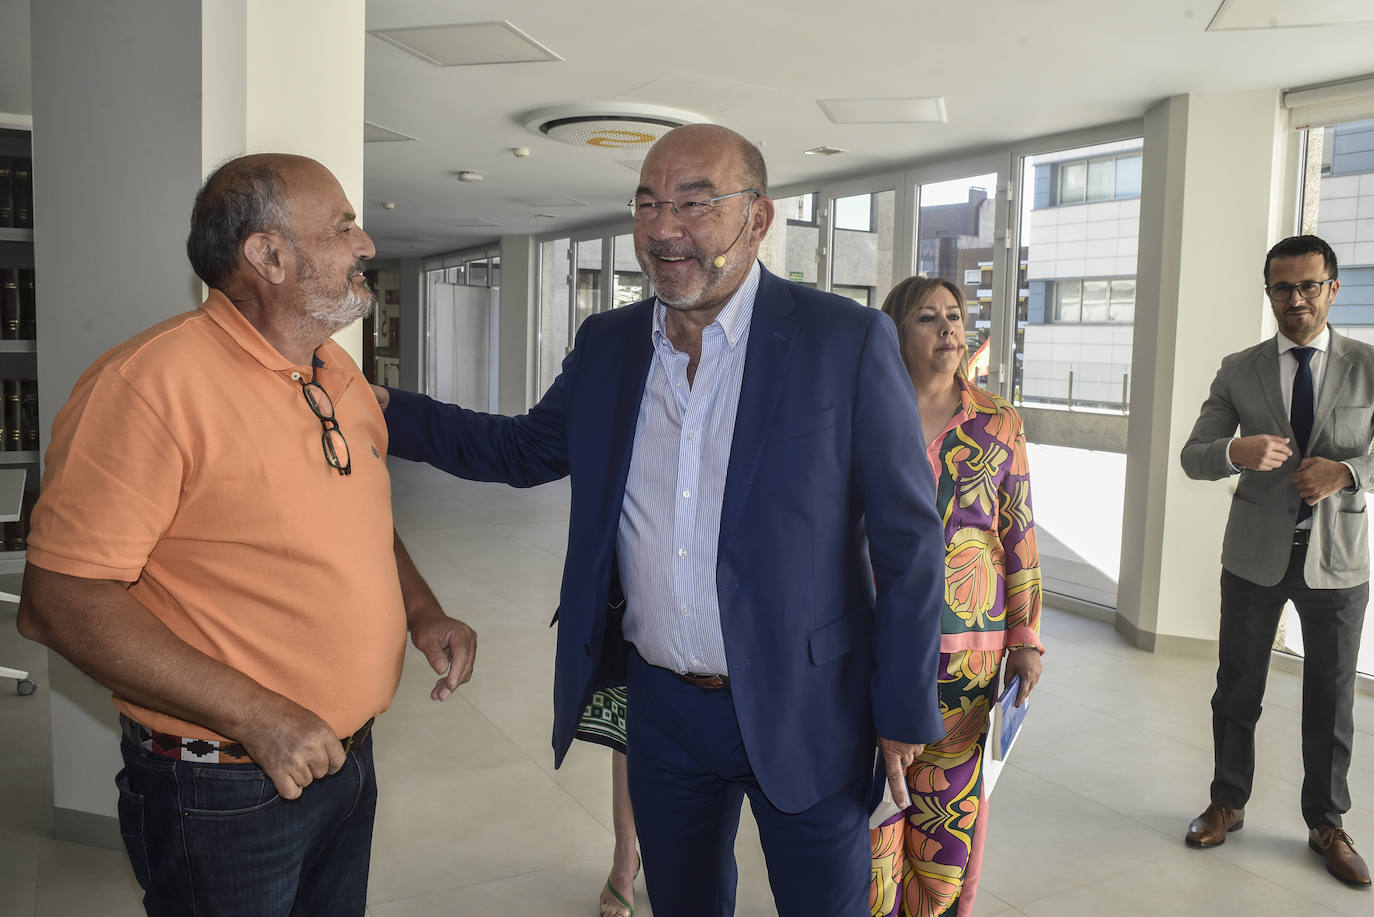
(609, 126)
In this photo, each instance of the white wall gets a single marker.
(1214, 185)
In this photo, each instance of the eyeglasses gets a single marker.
(1308, 289)
(645, 211)
(332, 439)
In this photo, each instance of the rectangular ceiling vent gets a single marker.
(884, 111)
(375, 133)
(1244, 15)
(545, 201)
(467, 44)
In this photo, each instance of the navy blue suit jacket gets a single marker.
(828, 495)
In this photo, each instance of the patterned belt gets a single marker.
(711, 682)
(206, 751)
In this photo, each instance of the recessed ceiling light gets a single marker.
(545, 216)
(468, 43)
(884, 111)
(468, 176)
(389, 205)
(823, 151)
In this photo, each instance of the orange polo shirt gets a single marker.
(188, 464)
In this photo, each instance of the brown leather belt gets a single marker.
(208, 751)
(710, 682)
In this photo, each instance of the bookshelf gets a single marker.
(20, 451)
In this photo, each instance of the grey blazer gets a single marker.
(1246, 395)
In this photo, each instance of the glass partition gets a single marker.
(588, 280)
(631, 285)
(1338, 205)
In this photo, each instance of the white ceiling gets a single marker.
(1007, 71)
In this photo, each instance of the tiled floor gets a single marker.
(1087, 820)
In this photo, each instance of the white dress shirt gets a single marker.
(670, 519)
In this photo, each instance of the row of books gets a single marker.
(18, 305)
(20, 415)
(16, 534)
(16, 191)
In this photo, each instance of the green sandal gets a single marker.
(623, 903)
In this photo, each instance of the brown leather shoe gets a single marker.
(1341, 859)
(1211, 827)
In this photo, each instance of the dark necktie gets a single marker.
(1301, 410)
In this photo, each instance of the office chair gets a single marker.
(24, 684)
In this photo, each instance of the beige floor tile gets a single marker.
(986, 904)
(1278, 851)
(571, 889)
(1044, 839)
(18, 871)
(74, 879)
(1190, 882)
(444, 831)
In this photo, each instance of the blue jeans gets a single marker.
(211, 839)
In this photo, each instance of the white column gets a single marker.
(1212, 197)
(519, 324)
(134, 102)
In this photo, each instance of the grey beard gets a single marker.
(337, 314)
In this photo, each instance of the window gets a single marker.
(1337, 204)
(1100, 179)
(854, 213)
(1095, 300)
(861, 295)
(799, 209)
(789, 249)
(1073, 180)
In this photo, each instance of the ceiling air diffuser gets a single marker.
(609, 126)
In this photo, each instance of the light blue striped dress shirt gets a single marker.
(670, 519)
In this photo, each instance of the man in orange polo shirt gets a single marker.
(214, 543)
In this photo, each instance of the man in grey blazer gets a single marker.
(1303, 403)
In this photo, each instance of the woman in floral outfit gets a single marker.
(926, 859)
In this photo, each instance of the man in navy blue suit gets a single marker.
(752, 545)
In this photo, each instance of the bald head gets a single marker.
(712, 141)
(245, 195)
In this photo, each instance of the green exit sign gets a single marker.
(794, 276)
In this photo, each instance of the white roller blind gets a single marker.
(1349, 100)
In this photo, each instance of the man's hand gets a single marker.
(292, 745)
(451, 648)
(383, 397)
(1025, 662)
(1261, 452)
(897, 757)
(1318, 478)
(448, 644)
